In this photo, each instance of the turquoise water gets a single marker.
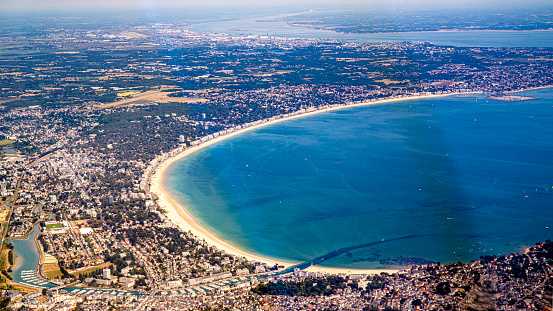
(427, 180)
(27, 261)
(25, 268)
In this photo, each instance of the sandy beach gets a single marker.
(530, 89)
(177, 213)
(179, 216)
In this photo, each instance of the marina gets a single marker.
(511, 98)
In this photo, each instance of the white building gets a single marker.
(106, 273)
(128, 282)
(173, 284)
(243, 271)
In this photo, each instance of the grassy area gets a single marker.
(150, 97)
(6, 142)
(388, 81)
(95, 268)
(23, 289)
(52, 270)
(54, 226)
(4, 264)
(4, 214)
(128, 93)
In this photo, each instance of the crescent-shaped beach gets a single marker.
(178, 214)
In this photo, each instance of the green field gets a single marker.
(52, 270)
(92, 269)
(6, 142)
(54, 226)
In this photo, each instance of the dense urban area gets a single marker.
(87, 114)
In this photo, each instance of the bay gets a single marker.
(263, 26)
(426, 180)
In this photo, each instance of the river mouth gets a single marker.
(25, 269)
(265, 26)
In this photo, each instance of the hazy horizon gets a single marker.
(34, 6)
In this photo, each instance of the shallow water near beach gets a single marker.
(426, 180)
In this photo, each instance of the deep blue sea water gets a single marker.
(441, 180)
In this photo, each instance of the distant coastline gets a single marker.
(178, 214)
(313, 27)
(308, 26)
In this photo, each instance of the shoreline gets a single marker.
(436, 31)
(453, 30)
(530, 89)
(313, 27)
(178, 215)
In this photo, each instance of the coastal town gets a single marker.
(90, 117)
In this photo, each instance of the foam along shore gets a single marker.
(178, 214)
(346, 271)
